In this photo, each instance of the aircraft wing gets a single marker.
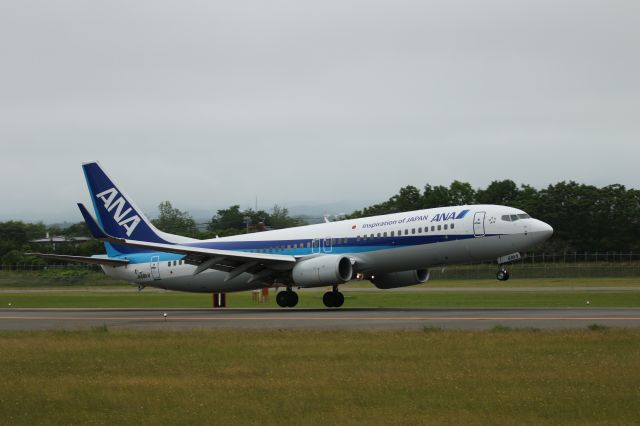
(82, 259)
(261, 265)
(205, 252)
(233, 262)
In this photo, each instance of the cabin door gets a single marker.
(478, 224)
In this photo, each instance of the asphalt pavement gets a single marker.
(323, 319)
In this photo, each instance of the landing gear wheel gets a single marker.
(333, 299)
(287, 299)
(328, 299)
(282, 299)
(502, 275)
(293, 298)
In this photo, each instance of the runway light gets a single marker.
(165, 316)
(588, 302)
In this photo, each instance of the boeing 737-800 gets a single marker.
(391, 251)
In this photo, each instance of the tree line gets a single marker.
(585, 217)
(16, 236)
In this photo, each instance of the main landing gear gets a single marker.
(502, 275)
(333, 299)
(287, 298)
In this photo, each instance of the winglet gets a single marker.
(94, 228)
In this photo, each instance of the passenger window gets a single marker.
(433, 228)
(413, 231)
(169, 264)
(446, 226)
(385, 235)
(452, 225)
(393, 233)
(439, 227)
(378, 235)
(372, 236)
(406, 232)
(419, 230)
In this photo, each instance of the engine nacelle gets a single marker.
(323, 270)
(400, 279)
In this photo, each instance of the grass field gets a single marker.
(295, 377)
(59, 278)
(83, 278)
(313, 299)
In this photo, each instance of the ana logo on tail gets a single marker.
(114, 201)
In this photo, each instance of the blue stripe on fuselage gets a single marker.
(342, 246)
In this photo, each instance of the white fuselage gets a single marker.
(391, 243)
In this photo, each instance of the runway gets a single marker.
(354, 319)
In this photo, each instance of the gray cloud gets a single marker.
(210, 103)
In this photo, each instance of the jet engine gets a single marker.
(400, 279)
(322, 270)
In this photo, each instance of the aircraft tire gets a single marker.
(339, 299)
(292, 299)
(282, 299)
(328, 299)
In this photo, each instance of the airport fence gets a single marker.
(34, 267)
(551, 265)
(532, 265)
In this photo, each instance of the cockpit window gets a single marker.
(514, 217)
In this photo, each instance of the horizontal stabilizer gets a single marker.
(94, 228)
(82, 259)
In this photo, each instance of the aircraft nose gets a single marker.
(543, 230)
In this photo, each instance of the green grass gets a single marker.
(333, 377)
(57, 278)
(523, 282)
(313, 299)
(90, 279)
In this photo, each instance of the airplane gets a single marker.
(391, 251)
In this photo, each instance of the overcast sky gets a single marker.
(208, 103)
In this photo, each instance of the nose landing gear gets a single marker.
(502, 275)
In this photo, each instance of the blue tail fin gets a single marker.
(116, 213)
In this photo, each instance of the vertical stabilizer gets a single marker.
(118, 215)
